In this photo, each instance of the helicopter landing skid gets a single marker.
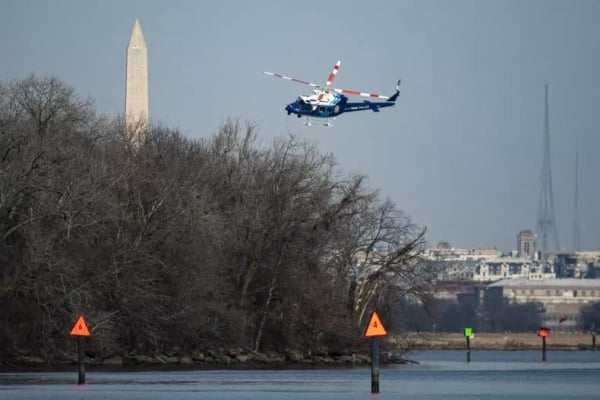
(309, 122)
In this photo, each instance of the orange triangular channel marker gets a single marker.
(80, 328)
(375, 327)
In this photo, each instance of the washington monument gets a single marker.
(136, 98)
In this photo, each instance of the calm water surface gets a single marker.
(444, 375)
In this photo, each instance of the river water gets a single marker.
(491, 375)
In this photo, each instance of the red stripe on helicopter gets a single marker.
(333, 73)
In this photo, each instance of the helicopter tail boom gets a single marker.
(395, 95)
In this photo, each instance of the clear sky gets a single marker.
(462, 150)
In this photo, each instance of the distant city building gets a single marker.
(512, 268)
(526, 244)
(577, 264)
(561, 299)
(561, 283)
(457, 254)
(486, 265)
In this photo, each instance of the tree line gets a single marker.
(490, 313)
(185, 244)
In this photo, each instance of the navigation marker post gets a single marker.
(593, 337)
(374, 331)
(80, 331)
(468, 336)
(543, 333)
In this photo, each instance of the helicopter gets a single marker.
(327, 102)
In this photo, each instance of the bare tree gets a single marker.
(378, 249)
(173, 243)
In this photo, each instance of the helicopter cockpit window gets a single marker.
(300, 101)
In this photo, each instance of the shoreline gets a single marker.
(495, 341)
(406, 358)
(396, 350)
(233, 359)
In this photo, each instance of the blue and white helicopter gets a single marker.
(327, 102)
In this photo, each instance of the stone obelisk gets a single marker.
(136, 98)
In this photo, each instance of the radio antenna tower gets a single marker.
(576, 237)
(546, 224)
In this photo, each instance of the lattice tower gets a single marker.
(546, 224)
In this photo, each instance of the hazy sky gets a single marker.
(462, 150)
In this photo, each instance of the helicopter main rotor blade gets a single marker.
(289, 78)
(364, 94)
(336, 67)
(332, 75)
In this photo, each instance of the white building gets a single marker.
(562, 299)
(512, 268)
